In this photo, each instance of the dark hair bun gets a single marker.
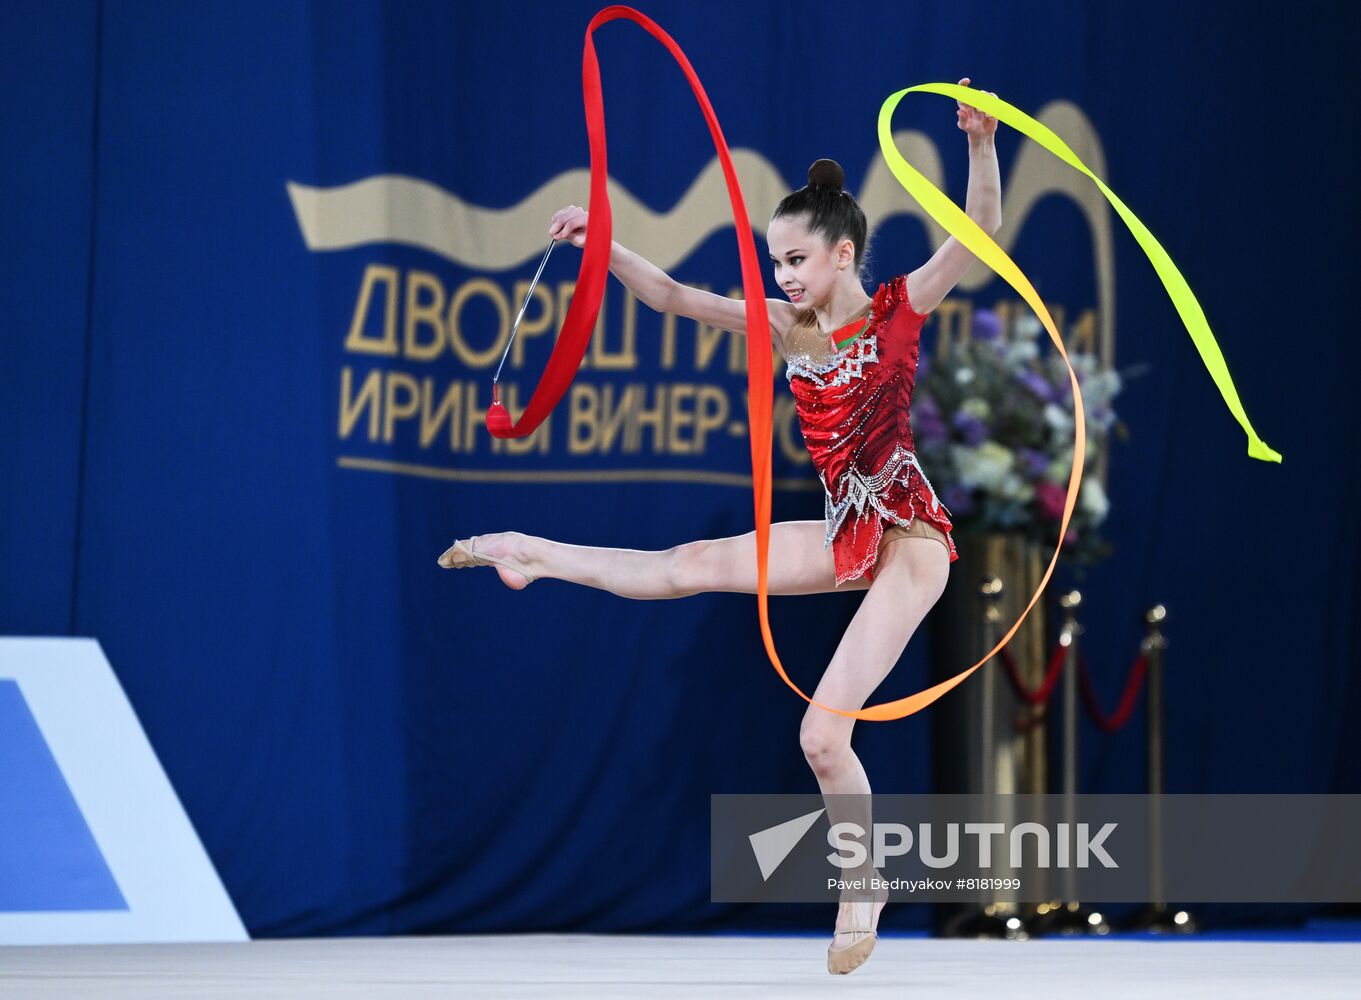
(826, 173)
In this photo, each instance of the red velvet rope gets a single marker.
(1042, 693)
(1110, 723)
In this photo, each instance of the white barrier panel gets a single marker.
(95, 847)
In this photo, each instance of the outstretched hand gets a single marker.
(569, 224)
(973, 121)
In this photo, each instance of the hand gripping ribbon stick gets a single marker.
(585, 308)
(497, 413)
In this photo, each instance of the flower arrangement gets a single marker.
(994, 423)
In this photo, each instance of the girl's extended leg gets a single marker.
(798, 564)
(909, 578)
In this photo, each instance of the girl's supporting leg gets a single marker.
(798, 564)
(909, 579)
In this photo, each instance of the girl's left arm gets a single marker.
(929, 284)
(983, 203)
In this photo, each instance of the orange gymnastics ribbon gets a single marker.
(585, 308)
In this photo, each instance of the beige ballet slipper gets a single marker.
(850, 957)
(462, 554)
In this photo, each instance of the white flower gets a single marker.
(1091, 497)
(1028, 326)
(1014, 487)
(1111, 383)
(1083, 364)
(963, 374)
(1100, 388)
(1058, 418)
(984, 466)
(1062, 465)
(1020, 351)
(976, 407)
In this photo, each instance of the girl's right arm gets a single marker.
(658, 290)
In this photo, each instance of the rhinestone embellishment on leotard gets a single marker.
(852, 405)
(862, 490)
(848, 363)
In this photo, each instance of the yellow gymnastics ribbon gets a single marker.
(958, 224)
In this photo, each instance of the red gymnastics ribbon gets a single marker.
(581, 317)
(580, 321)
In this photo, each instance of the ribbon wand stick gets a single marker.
(496, 389)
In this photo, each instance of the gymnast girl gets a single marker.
(851, 364)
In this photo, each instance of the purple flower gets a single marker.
(958, 498)
(986, 325)
(926, 405)
(923, 367)
(1036, 383)
(1062, 393)
(929, 429)
(971, 429)
(1033, 462)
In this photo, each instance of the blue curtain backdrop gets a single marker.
(368, 744)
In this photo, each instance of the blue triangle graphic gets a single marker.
(49, 859)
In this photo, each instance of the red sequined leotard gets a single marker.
(853, 410)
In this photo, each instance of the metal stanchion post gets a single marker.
(992, 919)
(1157, 916)
(1068, 916)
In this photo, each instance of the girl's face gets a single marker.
(806, 268)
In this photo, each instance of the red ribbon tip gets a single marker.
(498, 421)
